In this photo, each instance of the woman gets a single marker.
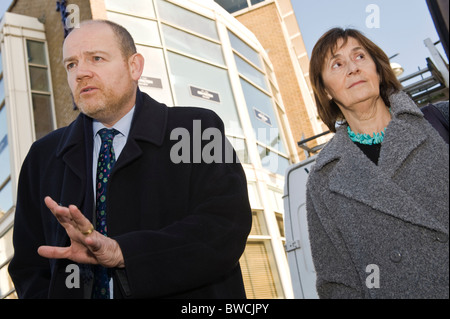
(377, 197)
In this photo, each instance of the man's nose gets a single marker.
(83, 70)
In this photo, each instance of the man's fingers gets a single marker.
(82, 223)
(94, 243)
(53, 252)
(71, 218)
(61, 213)
(51, 204)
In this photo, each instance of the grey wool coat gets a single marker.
(382, 231)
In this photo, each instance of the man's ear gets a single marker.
(136, 65)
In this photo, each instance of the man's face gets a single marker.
(99, 77)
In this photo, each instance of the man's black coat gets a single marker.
(181, 227)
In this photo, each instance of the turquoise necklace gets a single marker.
(366, 139)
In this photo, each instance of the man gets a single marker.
(169, 230)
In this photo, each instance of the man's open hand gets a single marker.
(87, 245)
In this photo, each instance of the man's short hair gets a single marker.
(124, 38)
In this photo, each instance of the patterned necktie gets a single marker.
(106, 160)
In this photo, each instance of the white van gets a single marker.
(298, 247)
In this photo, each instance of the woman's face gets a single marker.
(350, 76)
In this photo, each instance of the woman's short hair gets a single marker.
(328, 110)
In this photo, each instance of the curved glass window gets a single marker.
(262, 116)
(272, 161)
(244, 49)
(143, 8)
(154, 79)
(204, 85)
(143, 31)
(250, 72)
(191, 44)
(187, 19)
(240, 147)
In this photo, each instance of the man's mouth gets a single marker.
(87, 89)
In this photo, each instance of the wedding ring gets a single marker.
(88, 232)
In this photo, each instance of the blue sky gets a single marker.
(403, 26)
(4, 4)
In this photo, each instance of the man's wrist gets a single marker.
(119, 256)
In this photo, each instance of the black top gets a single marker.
(371, 151)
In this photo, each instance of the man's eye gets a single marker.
(97, 58)
(70, 66)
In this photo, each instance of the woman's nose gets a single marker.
(352, 68)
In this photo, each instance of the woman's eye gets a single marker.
(335, 65)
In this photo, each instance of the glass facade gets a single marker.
(189, 75)
(187, 43)
(235, 5)
(250, 54)
(155, 79)
(189, 20)
(196, 58)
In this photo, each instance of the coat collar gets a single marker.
(355, 176)
(148, 124)
(400, 104)
(149, 121)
